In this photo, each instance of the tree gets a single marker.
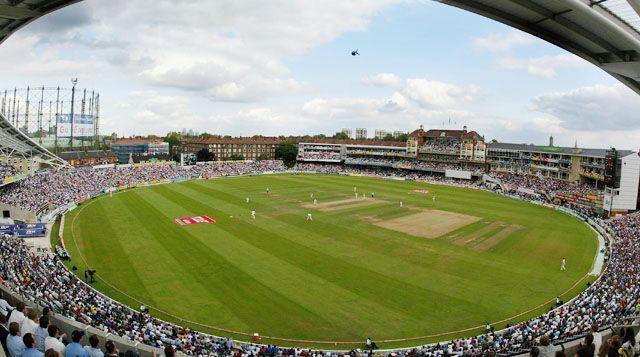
(341, 136)
(263, 156)
(402, 137)
(174, 140)
(389, 137)
(236, 157)
(204, 155)
(287, 152)
(206, 135)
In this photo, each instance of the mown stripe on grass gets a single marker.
(109, 243)
(365, 282)
(246, 297)
(341, 307)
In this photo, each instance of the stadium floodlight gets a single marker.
(74, 82)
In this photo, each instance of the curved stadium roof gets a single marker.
(603, 32)
(14, 14)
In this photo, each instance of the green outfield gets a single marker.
(362, 267)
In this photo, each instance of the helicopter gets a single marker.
(355, 53)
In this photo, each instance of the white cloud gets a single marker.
(434, 94)
(225, 50)
(545, 66)
(418, 101)
(150, 111)
(599, 107)
(503, 42)
(383, 80)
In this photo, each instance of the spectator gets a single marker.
(112, 351)
(4, 333)
(30, 344)
(30, 323)
(169, 352)
(75, 349)
(614, 346)
(93, 349)
(17, 315)
(14, 341)
(52, 353)
(547, 349)
(597, 337)
(5, 308)
(42, 333)
(629, 343)
(534, 352)
(587, 348)
(54, 341)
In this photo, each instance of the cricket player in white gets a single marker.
(563, 267)
(309, 218)
(400, 204)
(253, 214)
(315, 201)
(247, 199)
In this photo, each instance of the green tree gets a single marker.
(206, 135)
(236, 157)
(287, 152)
(263, 156)
(402, 137)
(341, 136)
(174, 139)
(204, 155)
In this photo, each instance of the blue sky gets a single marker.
(284, 67)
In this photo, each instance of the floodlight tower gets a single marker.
(74, 81)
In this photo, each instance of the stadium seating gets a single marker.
(45, 281)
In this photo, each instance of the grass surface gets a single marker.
(338, 278)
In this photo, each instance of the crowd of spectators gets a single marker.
(414, 164)
(55, 188)
(43, 279)
(450, 147)
(550, 186)
(383, 171)
(7, 170)
(320, 155)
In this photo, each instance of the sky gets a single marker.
(284, 67)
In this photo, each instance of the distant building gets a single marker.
(227, 148)
(124, 148)
(361, 133)
(565, 163)
(624, 193)
(89, 158)
(348, 132)
(380, 134)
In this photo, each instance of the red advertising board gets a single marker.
(194, 220)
